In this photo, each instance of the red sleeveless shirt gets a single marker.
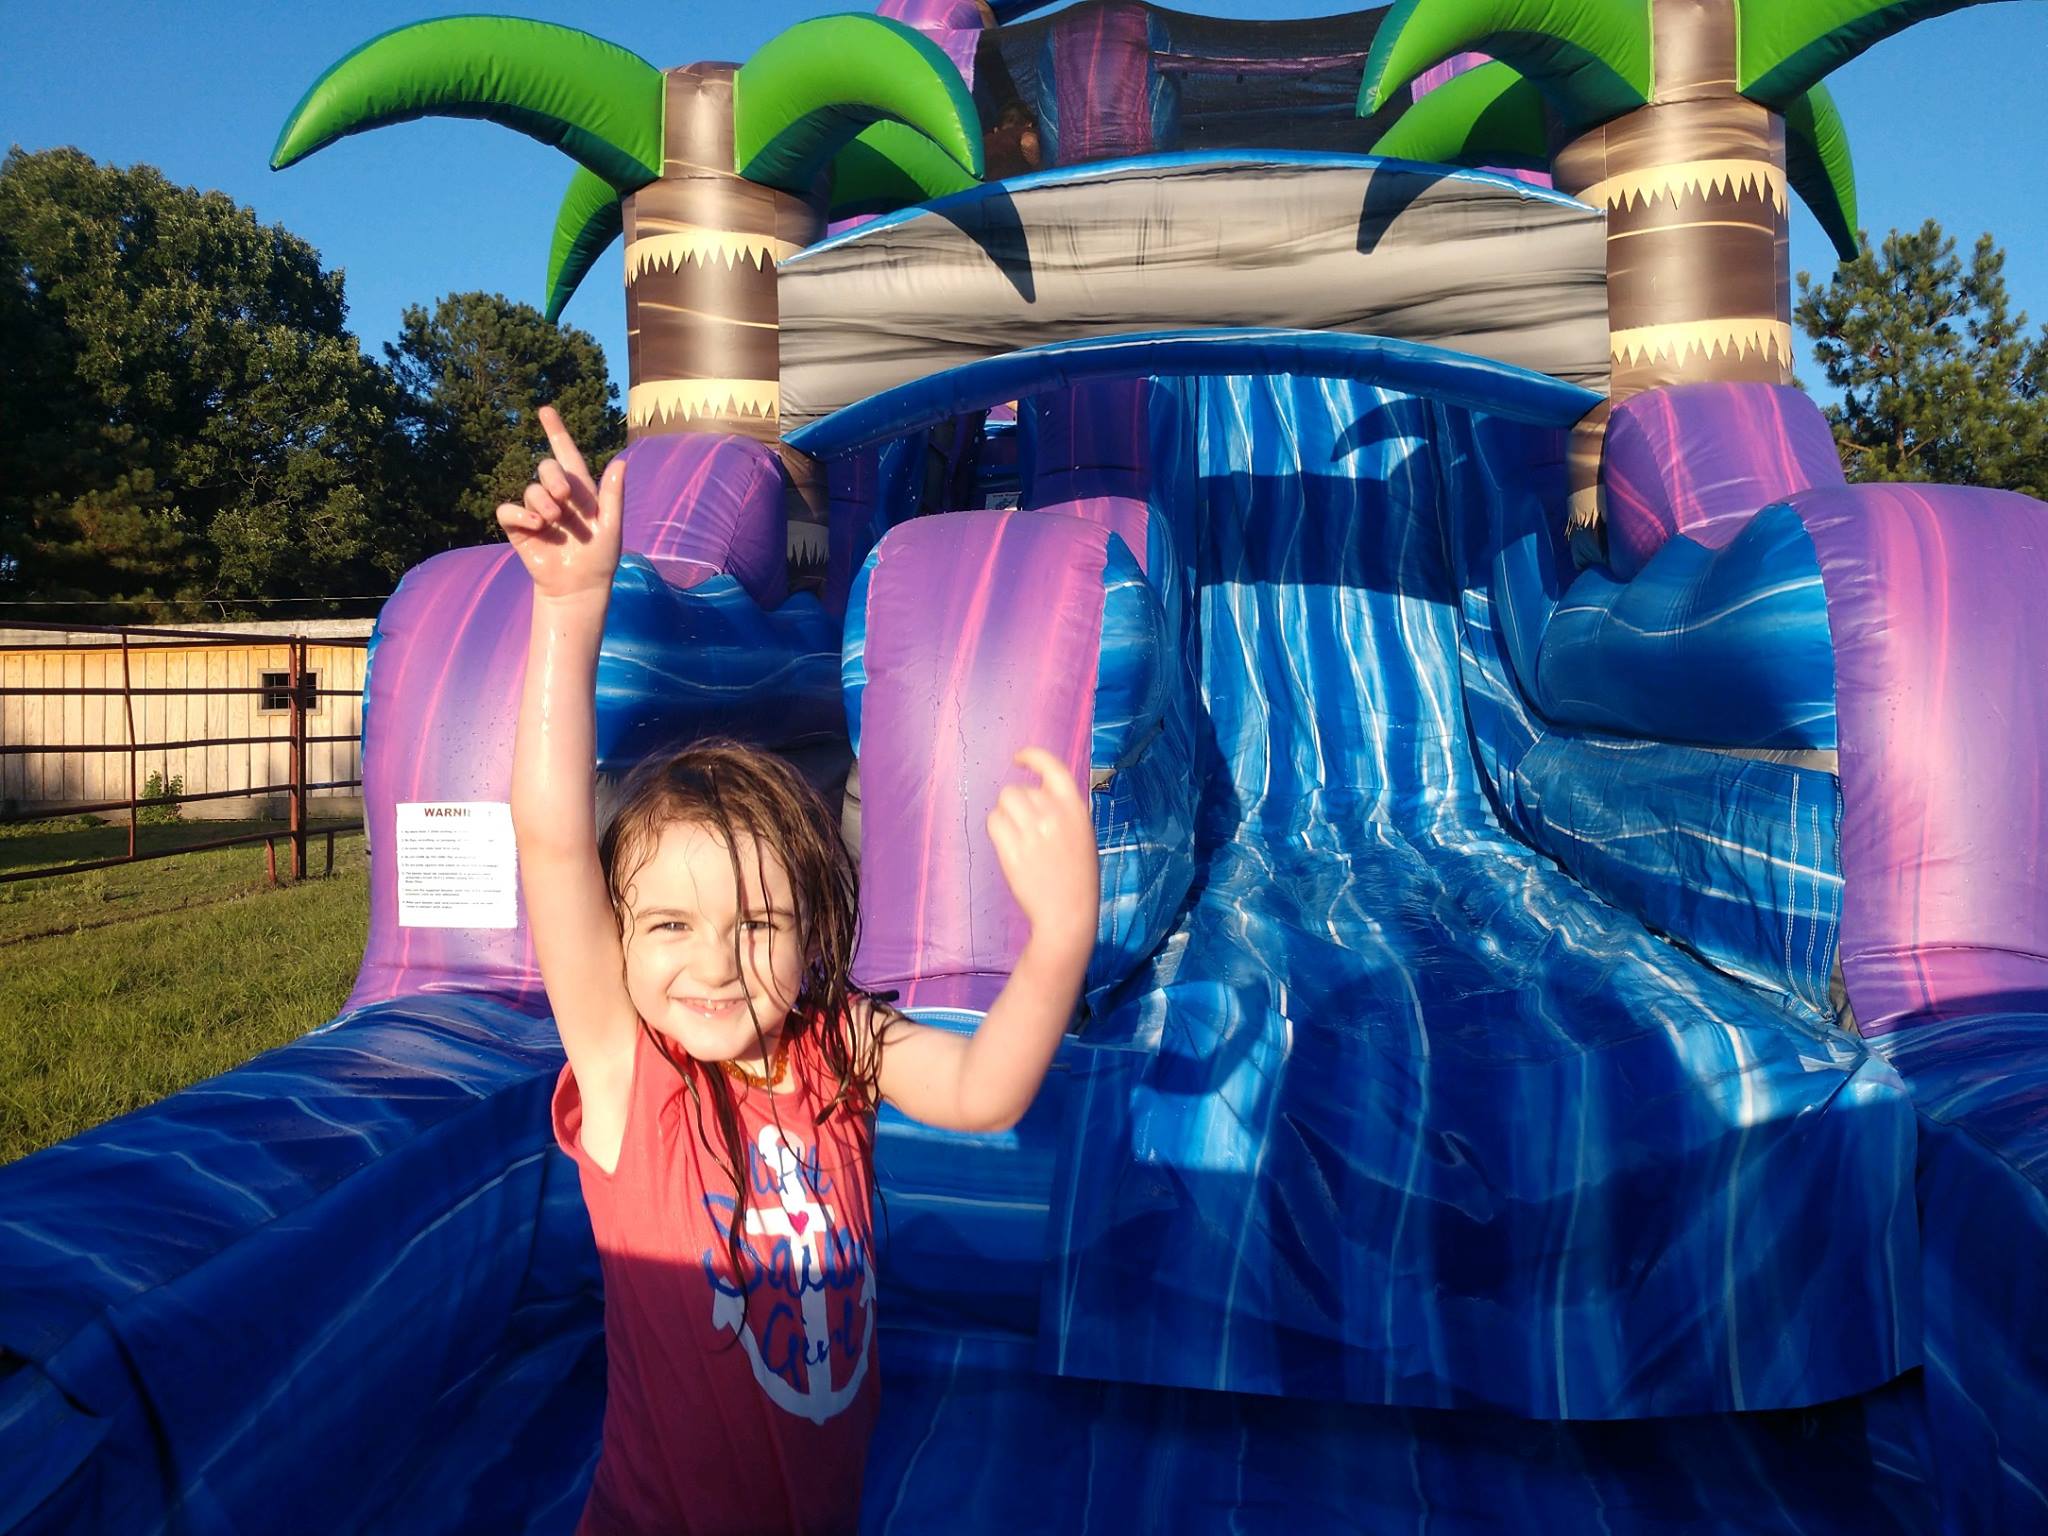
(731, 1407)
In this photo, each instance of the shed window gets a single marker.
(277, 692)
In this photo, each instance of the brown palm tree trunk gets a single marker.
(701, 315)
(1698, 286)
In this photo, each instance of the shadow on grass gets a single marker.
(82, 839)
(71, 903)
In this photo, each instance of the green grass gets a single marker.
(120, 986)
(72, 903)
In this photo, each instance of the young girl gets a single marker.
(723, 1070)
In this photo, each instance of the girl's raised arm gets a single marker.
(566, 533)
(1045, 841)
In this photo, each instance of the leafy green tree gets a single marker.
(474, 371)
(1940, 380)
(188, 420)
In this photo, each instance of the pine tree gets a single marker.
(473, 372)
(1940, 380)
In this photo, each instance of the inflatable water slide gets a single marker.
(1567, 1048)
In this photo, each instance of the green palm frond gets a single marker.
(595, 101)
(1592, 62)
(888, 166)
(591, 217)
(815, 86)
(892, 166)
(1789, 46)
(1818, 166)
(1490, 115)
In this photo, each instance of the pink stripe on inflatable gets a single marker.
(1703, 459)
(983, 636)
(1944, 732)
(1103, 82)
(955, 25)
(949, 745)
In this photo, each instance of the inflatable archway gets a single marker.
(1568, 1041)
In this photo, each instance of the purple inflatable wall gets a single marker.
(955, 25)
(1091, 459)
(1933, 596)
(1701, 459)
(978, 634)
(1934, 601)
(443, 694)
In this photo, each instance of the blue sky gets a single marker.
(1945, 122)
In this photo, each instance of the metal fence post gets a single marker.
(128, 704)
(298, 759)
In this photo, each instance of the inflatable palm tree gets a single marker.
(713, 172)
(1687, 121)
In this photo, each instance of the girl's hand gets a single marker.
(566, 532)
(985, 1082)
(1045, 841)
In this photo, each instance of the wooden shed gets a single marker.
(240, 688)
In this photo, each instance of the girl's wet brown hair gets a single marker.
(739, 791)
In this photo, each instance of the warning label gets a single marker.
(457, 867)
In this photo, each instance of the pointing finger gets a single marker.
(563, 444)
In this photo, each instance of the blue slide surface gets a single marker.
(1400, 1119)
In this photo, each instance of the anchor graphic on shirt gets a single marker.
(805, 1223)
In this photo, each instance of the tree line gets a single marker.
(1939, 379)
(188, 429)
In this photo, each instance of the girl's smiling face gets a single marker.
(700, 950)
